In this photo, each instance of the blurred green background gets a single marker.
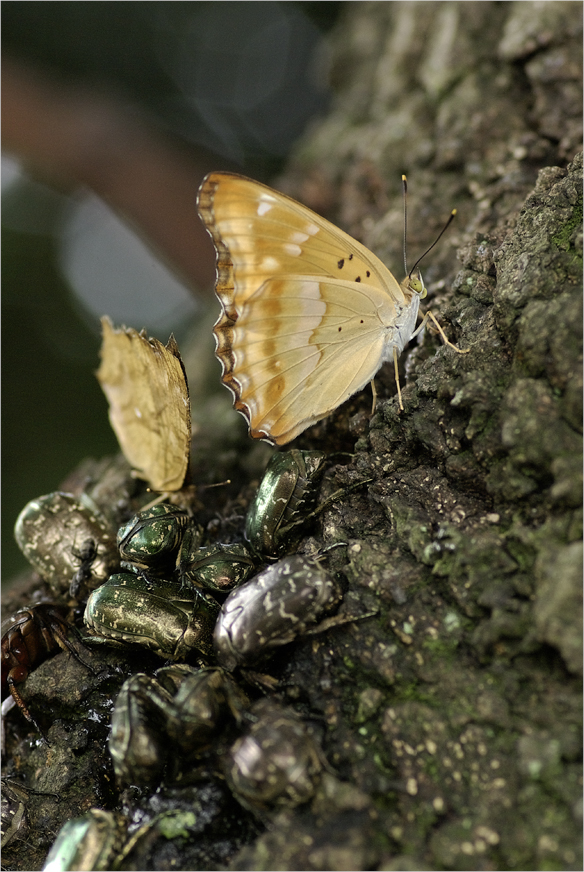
(240, 80)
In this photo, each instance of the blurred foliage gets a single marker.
(238, 78)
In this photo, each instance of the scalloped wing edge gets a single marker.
(224, 288)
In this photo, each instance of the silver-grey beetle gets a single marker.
(154, 613)
(272, 609)
(277, 761)
(54, 532)
(285, 497)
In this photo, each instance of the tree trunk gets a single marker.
(451, 719)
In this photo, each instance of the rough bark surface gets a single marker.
(451, 719)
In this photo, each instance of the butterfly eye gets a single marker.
(417, 285)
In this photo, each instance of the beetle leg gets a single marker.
(260, 680)
(324, 505)
(143, 573)
(104, 640)
(186, 585)
(338, 621)
(23, 708)
(66, 645)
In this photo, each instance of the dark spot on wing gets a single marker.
(341, 263)
(358, 279)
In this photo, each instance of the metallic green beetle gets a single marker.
(285, 497)
(157, 614)
(151, 539)
(204, 699)
(56, 531)
(218, 568)
(99, 840)
(137, 743)
(163, 536)
(91, 842)
(171, 718)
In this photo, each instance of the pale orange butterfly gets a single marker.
(309, 314)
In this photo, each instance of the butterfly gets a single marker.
(309, 314)
(149, 407)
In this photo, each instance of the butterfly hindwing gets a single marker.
(302, 347)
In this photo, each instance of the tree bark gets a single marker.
(451, 719)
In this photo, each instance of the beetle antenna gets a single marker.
(438, 238)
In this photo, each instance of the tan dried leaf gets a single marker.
(149, 408)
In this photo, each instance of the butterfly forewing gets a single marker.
(267, 233)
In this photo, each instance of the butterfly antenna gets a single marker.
(438, 238)
(405, 184)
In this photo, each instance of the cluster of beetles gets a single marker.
(158, 586)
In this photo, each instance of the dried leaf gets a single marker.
(149, 408)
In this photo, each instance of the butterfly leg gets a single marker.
(399, 393)
(374, 398)
(429, 316)
(396, 370)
